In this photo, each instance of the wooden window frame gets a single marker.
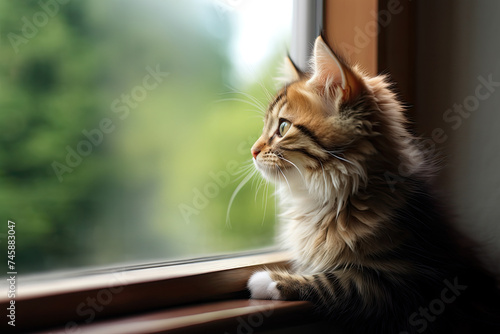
(173, 297)
(390, 49)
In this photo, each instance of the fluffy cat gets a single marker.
(369, 245)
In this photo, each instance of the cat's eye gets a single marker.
(283, 128)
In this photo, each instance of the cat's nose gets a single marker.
(255, 152)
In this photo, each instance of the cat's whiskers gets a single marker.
(255, 116)
(265, 195)
(256, 179)
(237, 91)
(280, 156)
(265, 202)
(261, 183)
(258, 108)
(286, 180)
(332, 153)
(235, 192)
(248, 164)
(255, 101)
(244, 170)
(275, 205)
(265, 90)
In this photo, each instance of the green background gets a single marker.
(122, 203)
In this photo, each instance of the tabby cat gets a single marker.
(370, 247)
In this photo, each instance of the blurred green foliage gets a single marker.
(124, 201)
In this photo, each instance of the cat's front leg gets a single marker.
(276, 285)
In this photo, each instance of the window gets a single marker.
(126, 126)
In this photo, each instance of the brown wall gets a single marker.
(350, 29)
(458, 49)
(438, 53)
(377, 34)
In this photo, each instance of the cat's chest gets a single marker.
(311, 245)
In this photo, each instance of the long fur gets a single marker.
(371, 247)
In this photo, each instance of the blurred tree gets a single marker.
(62, 66)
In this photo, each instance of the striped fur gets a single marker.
(370, 246)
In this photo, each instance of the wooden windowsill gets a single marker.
(234, 316)
(90, 298)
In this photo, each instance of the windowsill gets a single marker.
(162, 297)
(224, 316)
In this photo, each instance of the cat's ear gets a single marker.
(290, 72)
(330, 72)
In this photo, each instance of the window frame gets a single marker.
(307, 23)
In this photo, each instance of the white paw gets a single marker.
(261, 286)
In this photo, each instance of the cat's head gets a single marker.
(323, 127)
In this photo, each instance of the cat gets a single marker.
(370, 246)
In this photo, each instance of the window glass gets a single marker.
(126, 127)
